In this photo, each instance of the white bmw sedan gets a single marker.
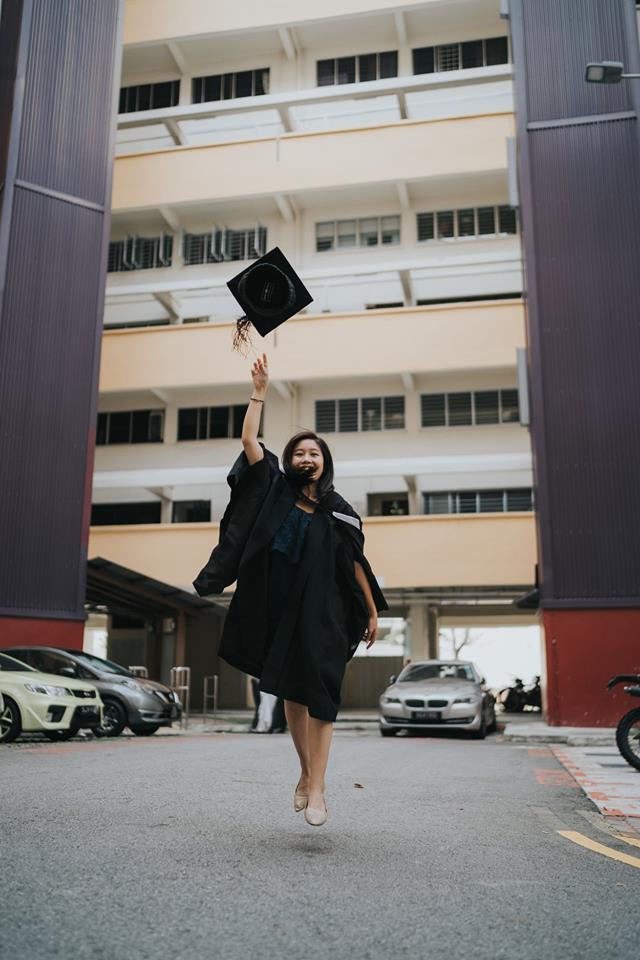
(434, 694)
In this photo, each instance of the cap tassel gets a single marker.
(241, 338)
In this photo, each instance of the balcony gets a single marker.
(474, 336)
(296, 163)
(463, 551)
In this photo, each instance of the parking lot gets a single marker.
(188, 846)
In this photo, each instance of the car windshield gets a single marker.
(9, 664)
(104, 666)
(437, 671)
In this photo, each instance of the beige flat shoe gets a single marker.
(315, 817)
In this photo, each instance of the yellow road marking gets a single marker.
(601, 848)
(630, 840)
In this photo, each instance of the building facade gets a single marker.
(370, 142)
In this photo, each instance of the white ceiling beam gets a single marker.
(284, 388)
(286, 119)
(401, 27)
(284, 207)
(407, 380)
(288, 41)
(162, 395)
(175, 132)
(170, 218)
(407, 287)
(178, 58)
(403, 195)
(164, 493)
(172, 305)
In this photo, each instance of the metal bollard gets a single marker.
(139, 671)
(206, 696)
(180, 681)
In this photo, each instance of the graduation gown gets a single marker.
(325, 616)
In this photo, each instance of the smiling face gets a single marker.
(307, 459)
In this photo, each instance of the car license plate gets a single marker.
(426, 714)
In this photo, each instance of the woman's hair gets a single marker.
(325, 483)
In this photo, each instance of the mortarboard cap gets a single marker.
(269, 291)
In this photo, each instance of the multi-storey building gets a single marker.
(370, 142)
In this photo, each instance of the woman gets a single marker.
(305, 594)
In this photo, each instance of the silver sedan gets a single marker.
(433, 694)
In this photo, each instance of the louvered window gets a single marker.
(433, 409)
(360, 414)
(357, 69)
(468, 222)
(230, 86)
(461, 56)
(478, 501)
(479, 408)
(140, 253)
(212, 423)
(149, 96)
(130, 426)
(223, 244)
(365, 232)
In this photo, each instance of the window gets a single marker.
(221, 245)
(229, 86)
(191, 511)
(469, 408)
(425, 226)
(149, 96)
(468, 222)
(478, 501)
(140, 253)
(461, 56)
(365, 232)
(509, 406)
(107, 514)
(388, 504)
(212, 423)
(357, 69)
(132, 426)
(360, 414)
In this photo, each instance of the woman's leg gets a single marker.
(297, 715)
(320, 733)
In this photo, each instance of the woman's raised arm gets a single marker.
(251, 424)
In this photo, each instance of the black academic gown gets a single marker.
(326, 615)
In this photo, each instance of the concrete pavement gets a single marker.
(188, 847)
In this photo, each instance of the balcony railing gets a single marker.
(483, 550)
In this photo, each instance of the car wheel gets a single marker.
(10, 723)
(59, 735)
(387, 733)
(114, 719)
(145, 731)
(493, 726)
(481, 733)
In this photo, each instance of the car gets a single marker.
(434, 694)
(33, 701)
(129, 701)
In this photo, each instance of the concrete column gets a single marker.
(432, 632)
(418, 641)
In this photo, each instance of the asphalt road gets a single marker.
(188, 847)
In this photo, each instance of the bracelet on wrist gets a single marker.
(257, 399)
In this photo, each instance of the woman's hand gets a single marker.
(372, 630)
(260, 374)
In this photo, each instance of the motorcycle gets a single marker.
(514, 699)
(628, 729)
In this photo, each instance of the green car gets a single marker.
(31, 702)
